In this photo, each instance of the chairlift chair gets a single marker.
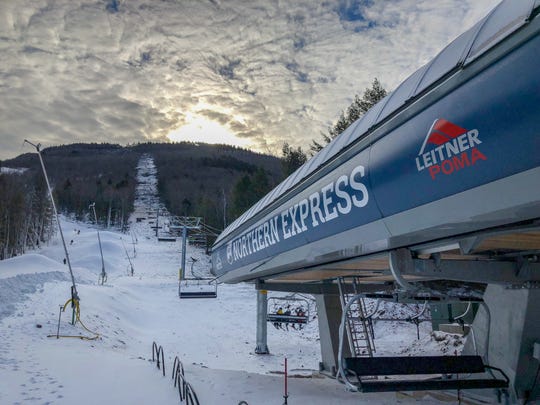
(293, 310)
(447, 372)
(197, 288)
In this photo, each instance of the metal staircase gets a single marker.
(359, 328)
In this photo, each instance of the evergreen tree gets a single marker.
(356, 110)
(261, 185)
(248, 190)
(186, 207)
(243, 195)
(291, 159)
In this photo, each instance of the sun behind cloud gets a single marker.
(201, 129)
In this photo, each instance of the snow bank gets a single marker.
(31, 263)
(14, 290)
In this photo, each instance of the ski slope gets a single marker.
(214, 338)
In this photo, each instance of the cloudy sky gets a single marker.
(255, 73)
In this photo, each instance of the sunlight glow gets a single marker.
(201, 129)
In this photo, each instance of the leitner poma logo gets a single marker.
(448, 148)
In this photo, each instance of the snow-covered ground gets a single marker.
(214, 338)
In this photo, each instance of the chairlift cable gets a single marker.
(212, 228)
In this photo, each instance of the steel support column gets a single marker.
(329, 317)
(262, 333)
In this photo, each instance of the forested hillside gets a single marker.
(81, 174)
(25, 213)
(210, 181)
(216, 182)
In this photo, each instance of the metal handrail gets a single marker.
(185, 390)
(177, 375)
(156, 350)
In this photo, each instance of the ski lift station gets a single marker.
(438, 185)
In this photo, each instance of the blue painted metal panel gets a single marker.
(502, 108)
(338, 202)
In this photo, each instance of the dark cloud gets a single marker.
(227, 70)
(239, 127)
(181, 64)
(112, 6)
(33, 49)
(222, 118)
(353, 10)
(299, 75)
(299, 43)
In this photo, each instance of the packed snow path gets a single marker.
(214, 338)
